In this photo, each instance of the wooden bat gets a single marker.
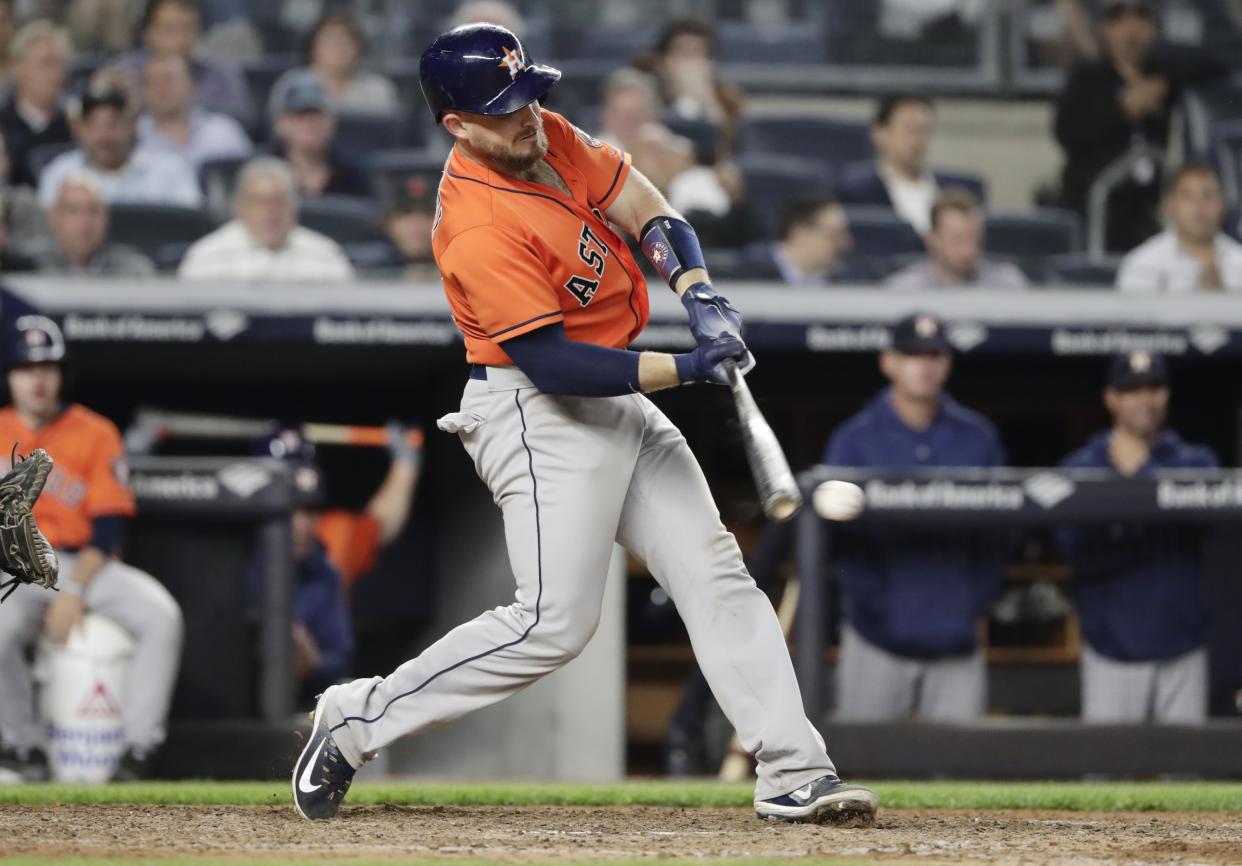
(736, 766)
(778, 491)
(169, 424)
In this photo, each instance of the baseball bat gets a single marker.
(778, 491)
(737, 761)
(204, 426)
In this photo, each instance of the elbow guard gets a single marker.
(671, 246)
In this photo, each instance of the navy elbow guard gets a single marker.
(671, 246)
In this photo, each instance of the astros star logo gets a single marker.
(513, 60)
(659, 253)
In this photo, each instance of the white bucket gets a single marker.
(80, 699)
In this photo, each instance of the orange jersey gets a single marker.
(89, 479)
(352, 541)
(517, 256)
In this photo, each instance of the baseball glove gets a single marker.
(24, 553)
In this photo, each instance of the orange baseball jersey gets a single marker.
(352, 541)
(517, 256)
(89, 480)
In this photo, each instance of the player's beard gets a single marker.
(509, 159)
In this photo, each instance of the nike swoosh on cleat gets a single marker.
(304, 780)
(801, 793)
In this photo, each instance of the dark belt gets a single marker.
(478, 371)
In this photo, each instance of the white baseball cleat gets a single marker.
(321, 776)
(827, 800)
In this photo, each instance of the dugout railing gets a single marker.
(992, 500)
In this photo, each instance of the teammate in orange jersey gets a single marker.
(549, 300)
(83, 511)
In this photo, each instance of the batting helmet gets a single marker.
(34, 339)
(482, 69)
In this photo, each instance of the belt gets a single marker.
(478, 371)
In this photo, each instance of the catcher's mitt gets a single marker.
(24, 552)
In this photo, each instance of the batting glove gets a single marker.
(705, 364)
(713, 317)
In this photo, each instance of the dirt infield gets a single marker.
(550, 834)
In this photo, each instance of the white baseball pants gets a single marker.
(571, 475)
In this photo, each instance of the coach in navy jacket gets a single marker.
(1139, 588)
(912, 597)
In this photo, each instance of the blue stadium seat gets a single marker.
(262, 74)
(798, 42)
(345, 219)
(362, 135)
(877, 231)
(392, 169)
(1079, 269)
(152, 227)
(1042, 232)
(771, 181)
(828, 140)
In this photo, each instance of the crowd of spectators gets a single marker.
(163, 102)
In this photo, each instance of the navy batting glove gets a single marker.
(704, 363)
(713, 317)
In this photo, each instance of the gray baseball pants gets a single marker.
(573, 475)
(874, 685)
(136, 602)
(1170, 692)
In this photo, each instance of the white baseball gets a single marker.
(839, 500)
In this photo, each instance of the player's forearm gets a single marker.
(391, 503)
(90, 561)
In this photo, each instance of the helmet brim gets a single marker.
(532, 83)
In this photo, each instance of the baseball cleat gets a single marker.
(827, 800)
(322, 776)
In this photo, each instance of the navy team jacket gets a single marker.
(915, 592)
(1139, 587)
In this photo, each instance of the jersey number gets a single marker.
(592, 251)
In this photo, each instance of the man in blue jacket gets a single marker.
(912, 597)
(1139, 588)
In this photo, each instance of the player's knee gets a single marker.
(566, 639)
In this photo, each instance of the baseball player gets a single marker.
(83, 511)
(553, 415)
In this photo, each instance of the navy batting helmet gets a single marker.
(482, 69)
(34, 339)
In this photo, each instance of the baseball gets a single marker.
(839, 500)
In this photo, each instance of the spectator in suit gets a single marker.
(1139, 588)
(264, 243)
(305, 127)
(33, 115)
(899, 177)
(106, 131)
(912, 597)
(172, 27)
(1192, 253)
(25, 226)
(814, 233)
(955, 251)
(685, 68)
(79, 222)
(173, 122)
(1109, 104)
(334, 50)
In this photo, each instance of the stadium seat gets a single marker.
(1079, 269)
(362, 135)
(1205, 108)
(744, 42)
(1042, 232)
(771, 181)
(828, 140)
(391, 169)
(262, 74)
(345, 219)
(152, 227)
(703, 135)
(877, 231)
(1226, 156)
(42, 154)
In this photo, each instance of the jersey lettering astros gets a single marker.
(89, 478)
(518, 256)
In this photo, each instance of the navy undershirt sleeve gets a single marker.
(107, 532)
(559, 365)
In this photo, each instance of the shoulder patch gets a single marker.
(592, 142)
